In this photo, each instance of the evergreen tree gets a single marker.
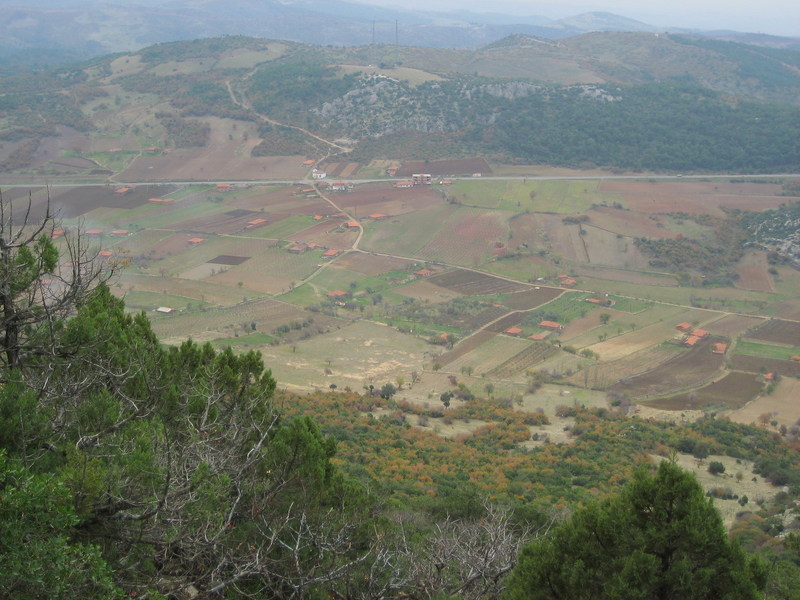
(659, 539)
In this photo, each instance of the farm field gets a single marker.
(781, 405)
(468, 260)
(734, 390)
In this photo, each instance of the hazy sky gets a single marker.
(777, 17)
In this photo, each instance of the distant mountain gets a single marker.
(94, 27)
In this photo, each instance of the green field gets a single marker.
(765, 350)
(562, 197)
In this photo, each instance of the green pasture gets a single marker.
(303, 295)
(114, 161)
(631, 305)
(521, 268)
(569, 306)
(765, 350)
(282, 229)
(561, 197)
(142, 217)
(406, 235)
(248, 60)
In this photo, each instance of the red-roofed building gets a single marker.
(691, 340)
(94, 232)
(122, 191)
(539, 336)
(513, 331)
(423, 273)
(796, 358)
(683, 326)
(551, 325)
(330, 253)
(308, 163)
(351, 224)
(701, 333)
(152, 149)
(57, 233)
(568, 282)
(404, 184)
(120, 233)
(337, 294)
(255, 223)
(224, 187)
(318, 217)
(377, 216)
(719, 348)
(105, 253)
(196, 240)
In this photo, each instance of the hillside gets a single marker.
(632, 101)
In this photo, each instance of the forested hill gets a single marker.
(633, 101)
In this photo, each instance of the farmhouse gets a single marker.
(196, 240)
(683, 326)
(377, 216)
(337, 294)
(552, 325)
(255, 223)
(719, 348)
(161, 200)
(308, 162)
(392, 171)
(152, 149)
(120, 233)
(165, 310)
(330, 253)
(351, 224)
(105, 253)
(538, 337)
(224, 187)
(315, 174)
(404, 184)
(691, 340)
(568, 282)
(94, 232)
(700, 333)
(423, 273)
(57, 233)
(421, 179)
(122, 191)
(513, 331)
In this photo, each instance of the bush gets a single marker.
(715, 468)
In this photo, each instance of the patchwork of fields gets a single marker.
(383, 284)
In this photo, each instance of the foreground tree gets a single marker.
(660, 539)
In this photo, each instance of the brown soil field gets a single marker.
(221, 158)
(734, 391)
(75, 202)
(174, 244)
(781, 405)
(779, 332)
(370, 264)
(365, 200)
(603, 375)
(694, 197)
(441, 168)
(731, 326)
(427, 292)
(341, 170)
(227, 259)
(464, 346)
(208, 292)
(581, 325)
(689, 369)
(628, 223)
(522, 361)
(254, 281)
(753, 274)
(531, 298)
(471, 283)
(467, 238)
(755, 364)
(229, 222)
(625, 275)
(328, 235)
(510, 320)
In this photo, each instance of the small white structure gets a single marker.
(315, 174)
(165, 310)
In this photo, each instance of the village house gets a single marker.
(515, 331)
(94, 232)
(423, 273)
(165, 310)
(123, 190)
(691, 341)
(351, 224)
(421, 179)
(255, 223)
(719, 348)
(224, 187)
(404, 184)
(552, 325)
(683, 326)
(330, 253)
(700, 333)
(120, 233)
(315, 174)
(340, 186)
(337, 294)
(538, 337)
(196, 240)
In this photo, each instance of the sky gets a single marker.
(776, 17)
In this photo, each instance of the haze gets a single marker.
(776, 17)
